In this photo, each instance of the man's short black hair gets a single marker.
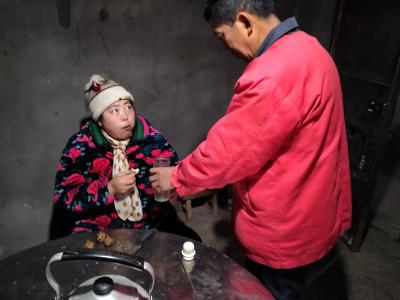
(225, 11)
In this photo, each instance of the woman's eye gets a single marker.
(114, 110)
(129, 107)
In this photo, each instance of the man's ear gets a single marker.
(246, 21)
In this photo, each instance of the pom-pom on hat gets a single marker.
(100, 92)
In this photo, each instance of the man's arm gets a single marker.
(259, 122)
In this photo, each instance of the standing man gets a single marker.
(281, 144)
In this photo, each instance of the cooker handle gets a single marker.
(104, 255)
(99, 255)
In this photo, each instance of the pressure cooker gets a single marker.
(104, 287)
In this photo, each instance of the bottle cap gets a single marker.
(188, 251)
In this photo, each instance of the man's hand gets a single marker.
(161, 178)
(123, 183)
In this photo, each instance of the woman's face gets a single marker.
(118, 120)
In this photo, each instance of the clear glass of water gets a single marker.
(157, 163)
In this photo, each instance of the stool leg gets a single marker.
(214, 203)
(188, 208)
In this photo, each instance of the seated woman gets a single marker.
(102, 180)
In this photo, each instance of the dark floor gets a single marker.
(372, 273)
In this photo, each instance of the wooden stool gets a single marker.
(187, 202)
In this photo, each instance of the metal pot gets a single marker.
(104, 287)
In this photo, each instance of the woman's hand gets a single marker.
(123, 183)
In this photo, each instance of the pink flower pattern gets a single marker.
(56, 197)
(93, 189)
(99, 165)
(73, 179)
(132, 165)
(87, 140)
(149, 161)
(159, 153)
(103, 220)
(74, 154)
(149, 191)
(71, 195)
(77, 208)
(110, 199)
(131, 149)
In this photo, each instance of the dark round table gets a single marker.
(212, 275)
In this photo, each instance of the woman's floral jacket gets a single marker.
(85, 168)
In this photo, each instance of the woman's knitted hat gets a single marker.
(100, 92)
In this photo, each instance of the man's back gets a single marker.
(292, 209)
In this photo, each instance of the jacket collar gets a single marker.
(283, 28)
(140, 131)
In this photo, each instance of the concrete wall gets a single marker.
(162, 51)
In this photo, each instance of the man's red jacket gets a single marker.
(282, 145)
